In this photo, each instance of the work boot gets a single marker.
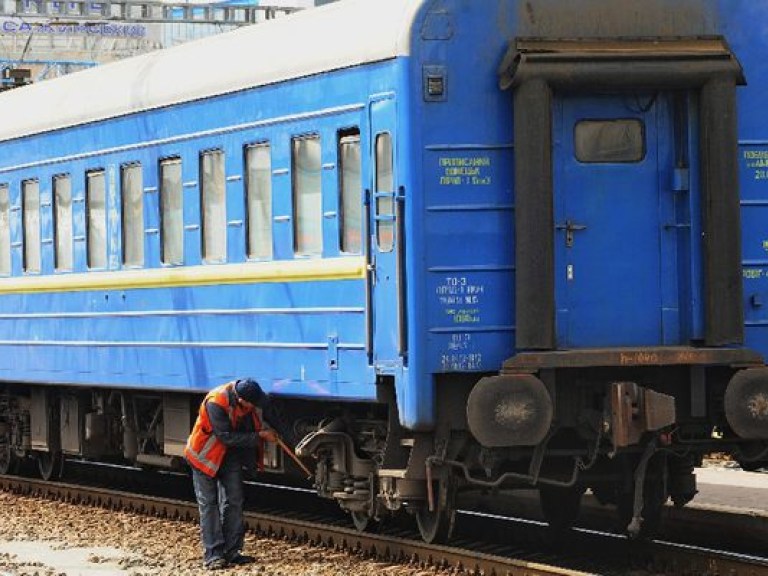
(216, 564)
(240, 559)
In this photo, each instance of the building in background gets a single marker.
(178, 33)
(54, 38)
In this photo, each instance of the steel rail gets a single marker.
(670, 558)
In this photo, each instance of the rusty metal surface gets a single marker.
(611, 47)
(628, 18)
(657, 62)
(632, 357)
(636, 410)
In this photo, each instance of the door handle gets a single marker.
(570, 227)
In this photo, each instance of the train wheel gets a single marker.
(561, 506)
(362, 521)
(436, 526)
(9, 463)
(8, 460)
(753, 456)
(50, 465)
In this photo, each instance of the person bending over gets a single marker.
(224, 440)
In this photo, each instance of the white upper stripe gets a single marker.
(335, 36)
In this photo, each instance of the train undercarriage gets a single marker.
(629, 428)
(44, 425)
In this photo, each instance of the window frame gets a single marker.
(135, 236)
(316, 249)
(216, 229)
(90, 220)
(384, 200)
(171, 257)
(32, 256)
(268, 230)
(63, 244)
(350, 136)
(6, 267)
(583, 156)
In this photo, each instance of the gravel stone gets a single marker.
(160, 547)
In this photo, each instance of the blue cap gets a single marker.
(250, 391)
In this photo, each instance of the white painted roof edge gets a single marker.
(335, 36)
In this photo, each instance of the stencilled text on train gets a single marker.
(465, 171)
(460, 299)
(458, 362)
(756, 162)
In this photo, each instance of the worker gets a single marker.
(228, 437)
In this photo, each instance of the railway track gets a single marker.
(489, 556)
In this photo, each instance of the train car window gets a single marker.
(609, 141)
(171, 211)
(96, 209)
(258, 197)
(307, 196)
(5, 231)
(132, 192)
(30, 194)
(214, 206)
(350, 192)
(62, 222)
(385, 206)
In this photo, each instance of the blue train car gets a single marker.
(466, 245)
(753, 162)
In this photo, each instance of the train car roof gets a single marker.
(335, 36)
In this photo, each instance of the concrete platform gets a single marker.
(731, 488)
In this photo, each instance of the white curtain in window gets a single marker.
(214, 202)
(30, 190)
(62, 198)
(307, 198)
(132, 189)
(351, 195)
(259, 186)
(5, 231)
(97, 220)
(171, 214)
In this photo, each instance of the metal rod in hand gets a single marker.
(295, 458)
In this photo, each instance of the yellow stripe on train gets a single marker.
(352, 268)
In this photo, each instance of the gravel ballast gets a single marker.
(40, 537)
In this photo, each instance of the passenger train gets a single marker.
(466, 245)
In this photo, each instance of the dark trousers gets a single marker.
(220, 501)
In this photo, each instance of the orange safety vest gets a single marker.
(204, 450)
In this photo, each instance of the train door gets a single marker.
(615, 272)
(385, 306)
